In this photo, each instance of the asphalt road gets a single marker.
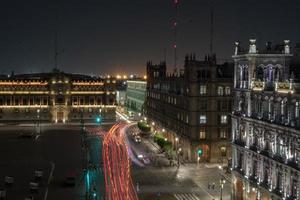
(163, 182)
(56, 151)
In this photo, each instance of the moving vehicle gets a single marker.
(137, 139)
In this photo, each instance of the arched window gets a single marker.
(260, 73)
(220, 91)
(227, 90)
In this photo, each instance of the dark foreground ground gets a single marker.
(57, 152)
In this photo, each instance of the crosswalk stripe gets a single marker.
(186, 196)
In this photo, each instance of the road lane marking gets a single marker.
(186, 196)
(49, 179)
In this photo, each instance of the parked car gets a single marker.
(2, 194)
(38, 174)
(34, 186)
(9, 180)
(70, 180)
(29, 198)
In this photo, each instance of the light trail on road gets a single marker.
(116, 165)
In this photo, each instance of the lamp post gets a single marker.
(38, 121)
(177, 150)
(222, 182)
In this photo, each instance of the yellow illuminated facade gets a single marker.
(56, 97)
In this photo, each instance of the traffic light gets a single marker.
(99, 119)
(200, 152)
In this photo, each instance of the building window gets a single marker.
(202, 133)
(187, 119)
(227, 91)
(220, 91)
(203, 119)
(222, 133)
(202, 89)
(223, 119)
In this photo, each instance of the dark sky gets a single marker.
(110, 36)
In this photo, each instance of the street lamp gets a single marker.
(177, 150)
(222, 182)
(38, 122)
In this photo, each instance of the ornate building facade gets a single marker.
(192, 107)
(56, 97)
(135, 94)
(265, 124)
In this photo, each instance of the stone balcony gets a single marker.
(280, 87)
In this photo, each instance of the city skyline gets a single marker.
(108, 37)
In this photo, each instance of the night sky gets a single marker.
(118, 36)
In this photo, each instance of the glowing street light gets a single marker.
(222, 182)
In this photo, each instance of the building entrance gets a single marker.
(60, 116)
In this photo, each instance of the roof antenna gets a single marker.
(175, 23)
(56, 41)
(211, 29)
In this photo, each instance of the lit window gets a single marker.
(202, 134)
(220, 90)
(187, 119)
(202, 89)
(202, 119)
(223, 119)
(227, 91)
(222, 133)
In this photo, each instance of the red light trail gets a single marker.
(116, 165)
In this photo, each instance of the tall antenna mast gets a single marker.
(211, 29)
(56, 41)
(175, 24)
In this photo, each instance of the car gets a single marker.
(137, 139)
(29, 198)
(70, 180)
(38, 174)
(9, 180)
(2, 194)
(26, 135)
(146, 160)
(33, 186)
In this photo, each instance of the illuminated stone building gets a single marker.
(56, 97)
(193, 105)
(265, 124)
(135, 95)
